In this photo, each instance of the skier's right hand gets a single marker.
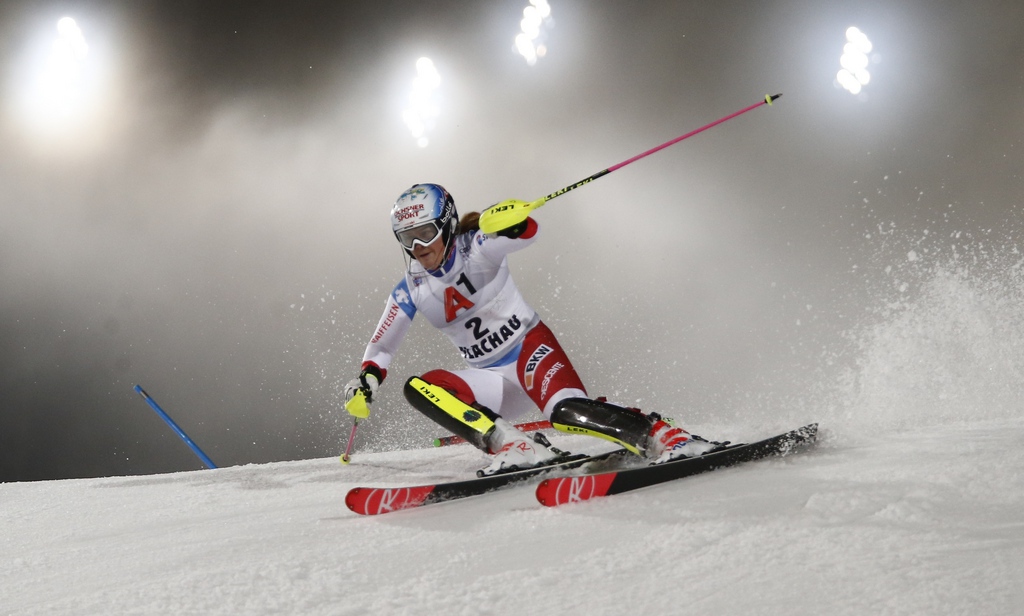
(367, 384)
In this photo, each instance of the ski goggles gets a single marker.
(424, 234)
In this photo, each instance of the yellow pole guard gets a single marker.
(357, 406)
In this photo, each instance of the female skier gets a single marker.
(458, 278)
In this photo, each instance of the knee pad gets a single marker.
(620, 425)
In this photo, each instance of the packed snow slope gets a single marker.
(921, 521)
(912, 503)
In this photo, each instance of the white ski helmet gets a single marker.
(422, 213)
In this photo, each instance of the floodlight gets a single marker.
(854, 74)
(423, 108)
(529, 43)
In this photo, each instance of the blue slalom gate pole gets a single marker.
(170, 422)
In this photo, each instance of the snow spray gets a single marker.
(943, 342)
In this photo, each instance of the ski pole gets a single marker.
(360, 410)
(170, 422)
(510, 213)
(346, 457)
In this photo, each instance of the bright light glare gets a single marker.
(848, 81)
(858, 39)
(854, 75)
(853, 61)
(71, 41)
(60, 85)
(529, 43)
(423, 109)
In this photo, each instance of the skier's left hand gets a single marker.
(507, 214)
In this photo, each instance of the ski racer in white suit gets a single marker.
(458, 279)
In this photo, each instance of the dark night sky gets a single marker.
(217, 229)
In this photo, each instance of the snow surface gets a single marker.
(927, 521)
(911, 503)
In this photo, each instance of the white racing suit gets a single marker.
(514, 360)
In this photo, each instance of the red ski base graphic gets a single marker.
(375, 501)
(563, 490)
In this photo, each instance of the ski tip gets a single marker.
(543, 492)
(574, 489)
(377, 501)
(800, 438)
(352, 499)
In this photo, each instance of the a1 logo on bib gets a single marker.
(453, 303)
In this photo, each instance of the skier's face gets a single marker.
(430, 256)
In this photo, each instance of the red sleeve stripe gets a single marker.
(383, 373)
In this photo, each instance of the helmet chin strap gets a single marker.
(449, 257)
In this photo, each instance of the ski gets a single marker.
(376, 501)
(529, 426)
(562, 490)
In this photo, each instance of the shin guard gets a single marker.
(620, 425)
(473, 423)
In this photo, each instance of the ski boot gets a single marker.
(666, 442)
(514, 451)
(646, 435)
